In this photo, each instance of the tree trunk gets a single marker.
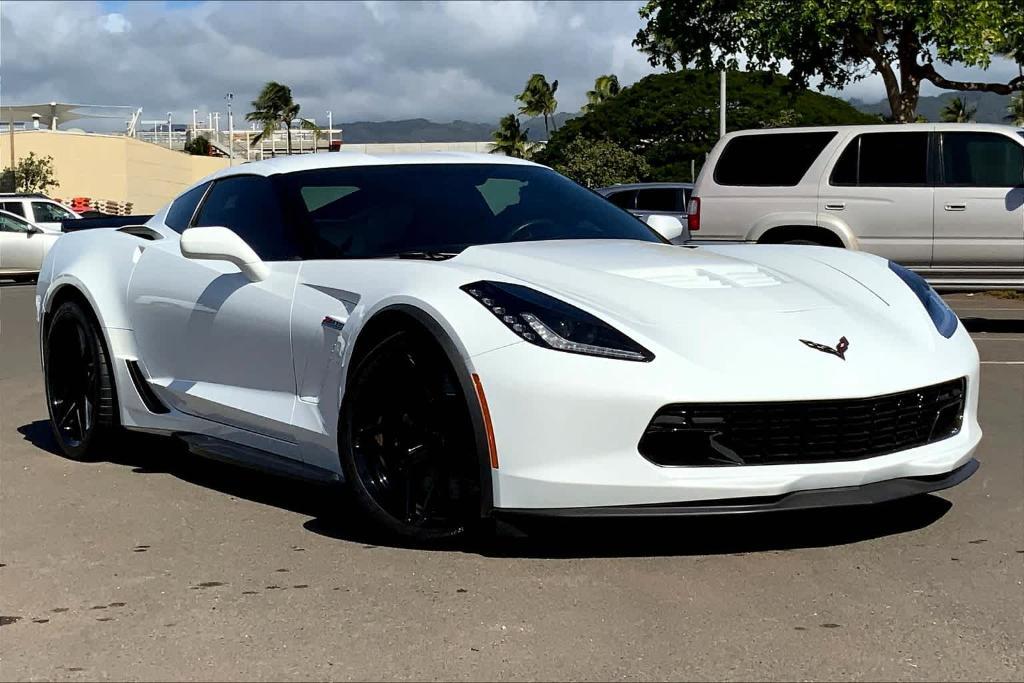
(547, 133)
(288, 130)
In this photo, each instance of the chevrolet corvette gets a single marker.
(461, 337)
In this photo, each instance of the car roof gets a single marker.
(305, 162)
(644, 186)
(883, 128)
(24, 195)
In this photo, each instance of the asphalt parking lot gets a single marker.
(155, 565)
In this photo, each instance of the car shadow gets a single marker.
(332, 515)
(1006, 325)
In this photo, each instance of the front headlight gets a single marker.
(941, 314)
(545, 321)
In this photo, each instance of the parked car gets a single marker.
(37, 209)
(22, 246)
(462, 336)
(644, 200)
(947, 200)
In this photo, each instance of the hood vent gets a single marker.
(718, 277)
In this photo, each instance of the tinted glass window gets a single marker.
(660, 199)
(376, 211)
(625, 199)
(46, 212)
(183, 208)
(981, 160)
(248, 206)
(13, 207)
(13, 224)
(883, 159)
(779, 159)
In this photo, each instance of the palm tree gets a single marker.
(605, 88)
(272, 107)
(1015, 112)
(510, 139)
(958, 111)
(538, 99)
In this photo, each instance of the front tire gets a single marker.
(406, 441)
(79, 383)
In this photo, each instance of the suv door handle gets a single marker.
(955, 207)
(838, 206)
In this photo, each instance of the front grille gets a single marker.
(790, 432)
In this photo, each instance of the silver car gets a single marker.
(23, 246)
(645, 200)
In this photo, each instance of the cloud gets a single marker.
(368, 60)
(363, 61)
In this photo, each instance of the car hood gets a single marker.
(732, 308)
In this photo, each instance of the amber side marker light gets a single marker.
(492, 449)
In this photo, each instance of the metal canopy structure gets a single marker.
(51, 114)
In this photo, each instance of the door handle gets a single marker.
(837, 206)
(955, 207)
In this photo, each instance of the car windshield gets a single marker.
(388, 210)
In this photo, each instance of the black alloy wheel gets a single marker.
(407, 443)
(79, 383)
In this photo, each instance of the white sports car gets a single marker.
(464, 336)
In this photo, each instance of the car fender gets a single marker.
(801, 218)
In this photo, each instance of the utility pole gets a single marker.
(231, 131)
(721, 106)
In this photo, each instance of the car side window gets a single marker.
(14, 207)
(184, 207)
(48, 212)
(981, 160)
(883, 160)
(625, 199)
(247, 204)
(769, 159)
(659, 199)
(11, 224)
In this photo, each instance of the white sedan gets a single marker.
(23, 246)
(458, 337)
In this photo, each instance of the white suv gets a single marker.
(946, 199)
(38, 209)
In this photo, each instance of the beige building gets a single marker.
(112, 167)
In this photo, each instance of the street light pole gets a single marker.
(330, 131)
(169, 146)
(231, 131)
(721, 106)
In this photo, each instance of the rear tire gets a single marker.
(406, 441)
(80, 395)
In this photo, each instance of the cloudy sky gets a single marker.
(363, 60)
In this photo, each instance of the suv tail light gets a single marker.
(693, 214)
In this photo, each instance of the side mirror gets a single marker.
(35, 230)
(222, 244)
(668, 227)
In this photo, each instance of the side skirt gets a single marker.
(253, 458)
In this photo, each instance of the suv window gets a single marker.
(883, 159)
(625, 199)
(184, 207)
(13, 207)
(770, 159)
(12, 224)
(247, 205)
(660, 199)
(981, 160)
(48, 212)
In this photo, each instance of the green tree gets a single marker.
(605, 88)
(271, 108)
(1015, 110)
(672, 118)
(600, 163)
(31, 174)
(510, 139)
(958, 110)
(839, 42)
(198, 146)
(538, 99)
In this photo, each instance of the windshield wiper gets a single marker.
(427, 255)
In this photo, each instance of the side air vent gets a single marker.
(142, 232)
(153, 404)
